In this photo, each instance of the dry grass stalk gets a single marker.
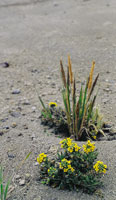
(94, 84)
(63, 74)
(70, 70)
(91, 75)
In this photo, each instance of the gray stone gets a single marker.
(22, 182)
(17, 177)
(16, 91)
(15, 114)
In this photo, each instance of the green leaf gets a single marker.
(6, 190)
(2, 192)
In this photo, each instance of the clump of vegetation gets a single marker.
(79, 116)
(74, 168)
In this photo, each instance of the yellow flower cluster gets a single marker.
(41, 158)
(100, 167)
(89, 147)
(66, 165)
(71, 146)
(66, 142)
(51, 171)
(53, 104)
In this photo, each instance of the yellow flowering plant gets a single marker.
(73, 168)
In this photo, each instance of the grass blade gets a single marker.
(93, 86)
(6, 190)
(2, 192)
(42, 103)
(74, 106)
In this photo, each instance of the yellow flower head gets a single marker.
(65, 170)
(89, 147)
(66, 165)
(41, 158)
(66, 143)
(72, 169)
(52, 104)
(94, 137)
(51, 171)
(77, 148)
(100, 167)
(70, 149)
(69, 142)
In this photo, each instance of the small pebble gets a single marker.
(22, 182)
(33, 109)
(26, 102)
(4, 65)
(14, 125)
(25, 126)
(11, 156)
(36, 164)
(17, 177)
(20, 134)
(16, 91)
(15, 114)
(1, 133)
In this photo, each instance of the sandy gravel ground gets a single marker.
(34, 35)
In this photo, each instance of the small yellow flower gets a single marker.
(41, 158)
(51, 171)
(69, 166)
(100, 167)
(65, 170)
(52, 104)
(94, 137)
(69, 141)
(72, 169)
(70, 149)
(77, 148)
(89, 147)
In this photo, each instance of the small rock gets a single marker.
(4, 120)
(14, 114)
(6, 127)
(44, 94)
(33, 136)
(16, 91)
(14, 125)
(11, 156)
(4, 65)
(107, 89)
(33, 109)
(22, 182)
(17, 177)
(26, 102)
(20, 134)
(53, 85)
(105, 101)
(48, 77)
(27, 177)
(25, 126)
(1, 132)
(36, 164)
